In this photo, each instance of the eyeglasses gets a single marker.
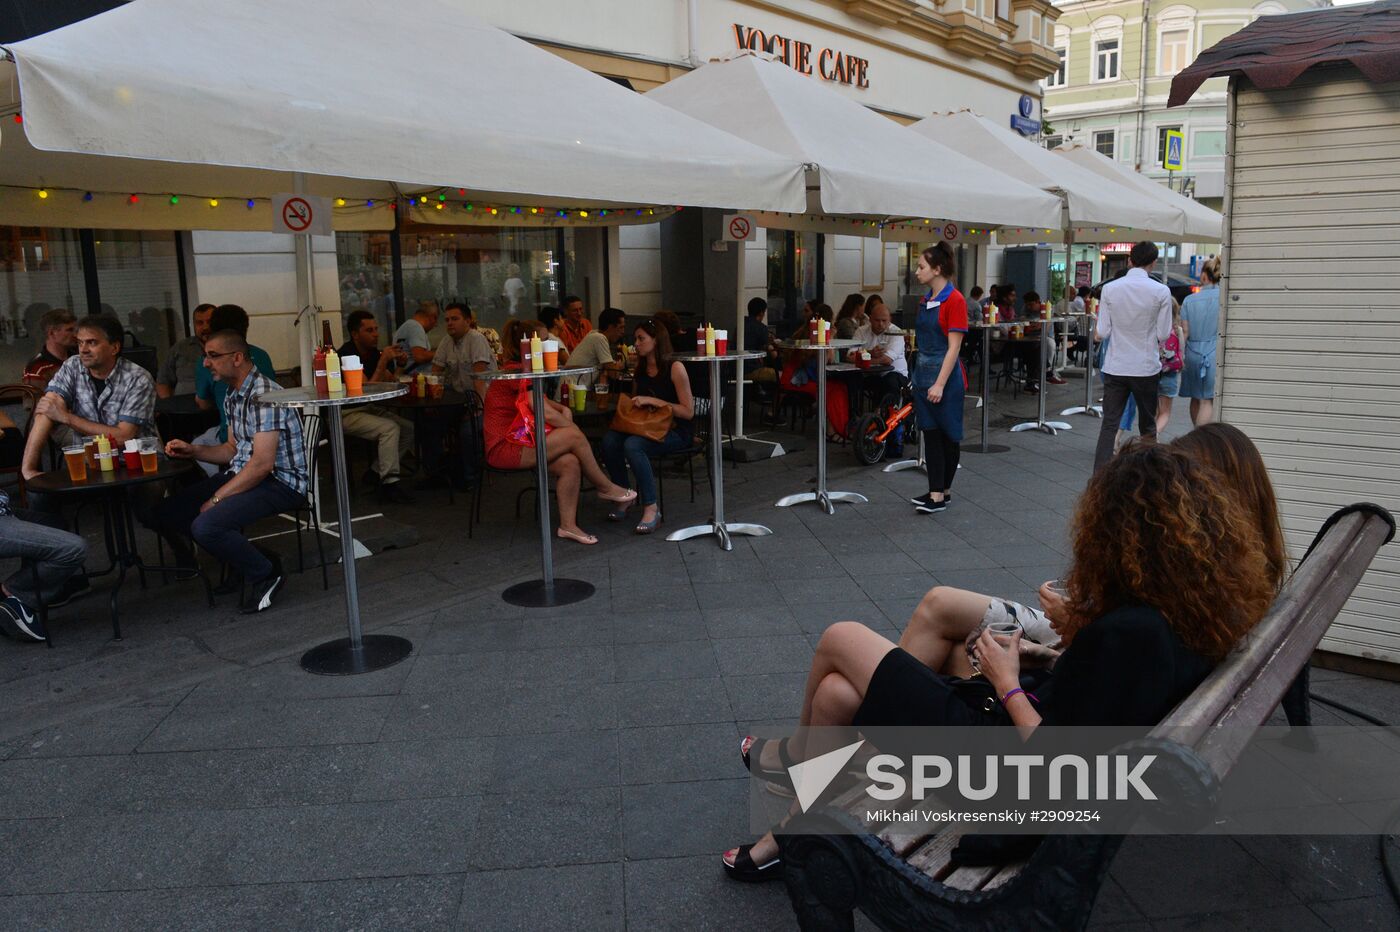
(210, 354)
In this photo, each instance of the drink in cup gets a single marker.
(90, 451)
(551, 355)
(435, 386)
(131, 455)
(603, 393)
(580, 397)
(1059, 587)
(76, 458)
(352, 369)
(149, 447)
(721, 342)
(1001, 629)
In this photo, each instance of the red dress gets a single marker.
(838, 401)
(498, 413)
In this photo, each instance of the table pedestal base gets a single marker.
(1090, 411)
(1049, 427)
(902, 465)
(339, 658)
(823, 498)
(538, 594)
(985, 447)
(721, 531)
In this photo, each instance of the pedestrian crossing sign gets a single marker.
(1171, 159)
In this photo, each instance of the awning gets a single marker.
(1200, 223)
(1092, 203)
(205, 99)
(866, 165)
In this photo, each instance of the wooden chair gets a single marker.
(903, 877)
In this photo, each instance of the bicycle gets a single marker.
(871, 433)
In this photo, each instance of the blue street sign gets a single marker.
(1024, 126)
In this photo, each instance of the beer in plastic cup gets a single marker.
(551, 355)
(721, 342)
(76, 458)
(149, 447)
(90, 451)
(435, 386)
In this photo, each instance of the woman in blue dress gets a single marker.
(939, 380)
(1201, 312)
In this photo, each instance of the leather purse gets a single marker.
(651, 423)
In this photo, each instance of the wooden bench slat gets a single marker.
(932, 858)
(1007, 872)
(971, 878)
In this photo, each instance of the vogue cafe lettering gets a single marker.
(828, 64)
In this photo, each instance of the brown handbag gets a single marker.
(651, 423)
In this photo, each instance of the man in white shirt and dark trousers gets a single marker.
(1135, 316)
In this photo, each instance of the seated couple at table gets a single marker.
(1148, 615)
(509, 428)
(261, 471)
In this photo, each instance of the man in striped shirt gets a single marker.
(262, 472)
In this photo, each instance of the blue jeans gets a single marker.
(220, 529)
(622, 450)
(55, 553)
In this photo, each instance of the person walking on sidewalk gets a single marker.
(1136, 312)
(938, 378)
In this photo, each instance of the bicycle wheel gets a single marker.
(864, 443)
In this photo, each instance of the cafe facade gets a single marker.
(902, 58)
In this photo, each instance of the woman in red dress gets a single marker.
(570, 454)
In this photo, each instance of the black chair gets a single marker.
(311, 429)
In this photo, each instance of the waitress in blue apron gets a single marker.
(939, 380)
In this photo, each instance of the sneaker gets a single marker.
(1055, 380)
(1031, 388)
(259, 596)
(75, 588)
(930, 507)
(19, 622)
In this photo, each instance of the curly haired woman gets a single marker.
(1136, 640)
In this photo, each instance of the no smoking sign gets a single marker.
(301, 213)
(738, 227)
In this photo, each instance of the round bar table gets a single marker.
(1088, 408)
(820, 494)
(983, 446)
(718, 526)
(1040, 423)
(547, 590)
(356, 653)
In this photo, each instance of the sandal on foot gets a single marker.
(627, 497)
(646, 527)
(751, 750)
(742, 867)
(618, 514)
(581, 537)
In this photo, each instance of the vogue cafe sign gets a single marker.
(829, 64)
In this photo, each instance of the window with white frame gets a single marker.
(1053, 142)
(1172, 48)
(1004, 9)
(1059, 77)
(1106, 59)
(1162, 142)
(1104, 140)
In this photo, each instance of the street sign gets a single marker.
(737, 227)
(301, 213)
(1176, 147)
(950, 231)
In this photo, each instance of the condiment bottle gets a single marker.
(420, 385)
(536, 354)
(104, 453)
(333, 380)
(319, 367)
(709, 339)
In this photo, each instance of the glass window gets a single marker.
(1054, 142)
(501, 272)
(1004, 9)
(42, 269)
(1058, 78)
(138, 275)
(1162, 142)
(794, 275)
(1106, 60)
(1171, 57)
(1103, 142)
(1208, 143)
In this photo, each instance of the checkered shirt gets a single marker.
(128, 395)
(247, 418)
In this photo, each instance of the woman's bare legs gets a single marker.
(569, 440)
(565, 469)
(939, 627)
(1202, 411)
(1164, 412)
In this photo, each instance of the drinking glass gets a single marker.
(1002, 629)
(149, 448)
(76, 459)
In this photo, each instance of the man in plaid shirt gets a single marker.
(263, 472)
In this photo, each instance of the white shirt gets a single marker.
(891, 342)
(1136, 311)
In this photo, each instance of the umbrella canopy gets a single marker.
(1200, 223)
(1091, 201)
(211, 99)
(867, 165)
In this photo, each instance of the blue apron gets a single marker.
(947, 415)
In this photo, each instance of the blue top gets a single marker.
(211, 389)
(1201, 311)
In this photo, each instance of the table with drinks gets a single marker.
(96, 467)
(820, 341)
(548, 590)
(358, 653)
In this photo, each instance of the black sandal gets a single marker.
(745, 870)
(754, 755)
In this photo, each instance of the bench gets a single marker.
(902, 877)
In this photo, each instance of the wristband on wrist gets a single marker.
(1012, 692)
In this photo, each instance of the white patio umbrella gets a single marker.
(1200, 224)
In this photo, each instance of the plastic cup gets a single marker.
(76, 458)
(1059, 587)
(131, 458)
(551, 355)
(90, 451)
(580, 398)
(721, 342)
(354, 381)
(149, 448)
(435, 386)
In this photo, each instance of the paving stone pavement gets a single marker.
(539, 769)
